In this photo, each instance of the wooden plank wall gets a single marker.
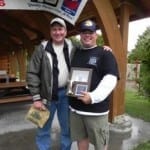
(14, 63)
(4, 63)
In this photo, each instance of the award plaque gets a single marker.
(79, 81)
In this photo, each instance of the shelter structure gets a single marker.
(21, 30)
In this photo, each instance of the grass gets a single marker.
(143, 146)
(137, 105)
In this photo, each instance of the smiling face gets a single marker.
(88, 38)
(58, 33)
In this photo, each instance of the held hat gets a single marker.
(88, 25)
(59, 21)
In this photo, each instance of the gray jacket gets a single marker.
(39, 74)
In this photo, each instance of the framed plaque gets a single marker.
(79, 81)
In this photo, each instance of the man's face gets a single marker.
(58, 33)
(88, 38)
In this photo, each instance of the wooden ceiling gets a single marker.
(25, 28)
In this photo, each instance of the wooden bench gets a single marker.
(7, 78)
(14, 92)
(11, 85)
(15, 99)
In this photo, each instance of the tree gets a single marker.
(100, 40)
(142, 53)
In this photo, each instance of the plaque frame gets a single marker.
(79, 80)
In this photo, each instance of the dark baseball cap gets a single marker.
(88, 25)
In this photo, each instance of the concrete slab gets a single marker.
(16, 133)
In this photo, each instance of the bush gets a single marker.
(142, 54)
(143, 146)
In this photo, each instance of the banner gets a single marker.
(67, 9)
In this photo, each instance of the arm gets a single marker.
(33, 72)
(104, 88)
(102, 91)
(33, 77)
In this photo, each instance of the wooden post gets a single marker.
(111, 31)
(13, 63)
(21, 57)
(124, 24)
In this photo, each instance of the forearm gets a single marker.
(104, 88)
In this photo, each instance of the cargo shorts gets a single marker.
(95, 128)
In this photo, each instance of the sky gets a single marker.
(136, 28)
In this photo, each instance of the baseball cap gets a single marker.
(88, 25)
(59, 21)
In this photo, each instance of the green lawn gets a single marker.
(143, 146)
(137, 106)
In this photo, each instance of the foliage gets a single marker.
(142, 48)
(143, 146)
(100, 40)
(133, 57)
(137, 105)
(75, 40)
(142, 53)
(145, 79)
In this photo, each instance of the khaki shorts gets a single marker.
(95, 128)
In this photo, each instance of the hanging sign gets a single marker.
(67, 9)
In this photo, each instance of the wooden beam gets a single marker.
(21, 58)
(13, 62)
(124, 25)
(24, 20)
(21, 30)
(113, 38)
(6, 37)
(17, 30)
(7, 43)
(42, 23)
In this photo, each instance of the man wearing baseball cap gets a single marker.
(89, 111)
(59, 21)
(47, 77)
(88, 26)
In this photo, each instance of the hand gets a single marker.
(107, 48)
(39, 105)
(85, 98)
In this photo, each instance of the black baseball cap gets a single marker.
(88, 25)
